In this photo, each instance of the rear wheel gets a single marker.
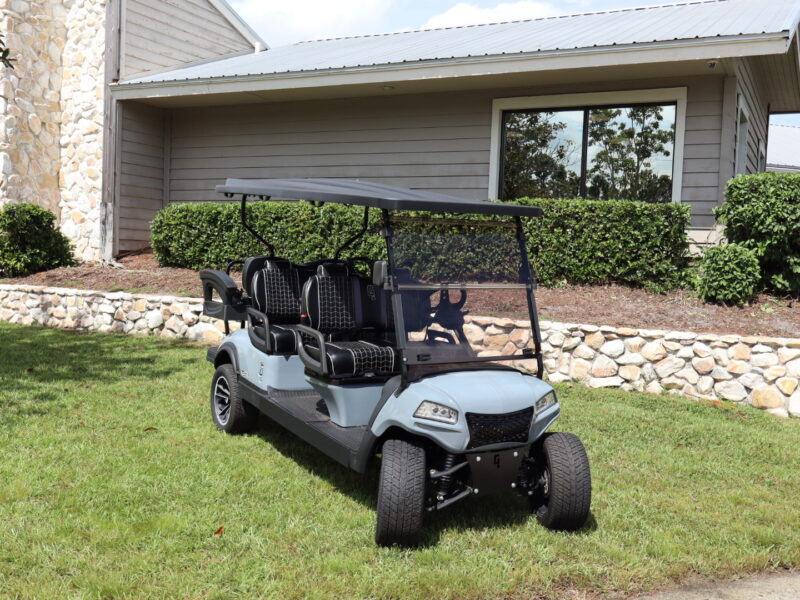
(564, 493)
(229, 412)
(401, 494)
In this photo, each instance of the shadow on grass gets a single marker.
(39, 365)
(498, 511)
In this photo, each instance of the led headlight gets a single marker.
(545, 402)
(436, 412)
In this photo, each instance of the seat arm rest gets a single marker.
(320, 366)
(253, 317)
(221, 282)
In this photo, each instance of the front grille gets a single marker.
(495, 429)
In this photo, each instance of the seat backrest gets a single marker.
(250, 268)
(276, 291)
(375, 302)
(417, 305)
(332, 299)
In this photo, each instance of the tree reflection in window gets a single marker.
(542, 154)
(599, 153)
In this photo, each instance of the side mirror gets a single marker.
(380, 273)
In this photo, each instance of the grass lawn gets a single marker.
(113, 483)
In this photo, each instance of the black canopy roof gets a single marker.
(365, 193)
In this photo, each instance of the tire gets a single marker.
(401, 494)
(563, 503)
(230, 414)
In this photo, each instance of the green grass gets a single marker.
(94, 503)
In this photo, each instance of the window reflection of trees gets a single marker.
(538, 154)
(624, 153)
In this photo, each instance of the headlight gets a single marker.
(545, 402)
(436, 412)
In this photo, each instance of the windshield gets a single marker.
(448, 273)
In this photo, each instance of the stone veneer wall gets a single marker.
(762, 371)
(51, 129)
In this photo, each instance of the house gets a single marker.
(783, 149)
(664, 103)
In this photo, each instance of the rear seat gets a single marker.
(275, 290)
(350, 322)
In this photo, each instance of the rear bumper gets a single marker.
(211, 355)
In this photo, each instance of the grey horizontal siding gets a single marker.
(702, 149)
(141, 174)
(162, 34)
(436, 142)
(749, 89)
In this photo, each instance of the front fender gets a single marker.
(483, 392)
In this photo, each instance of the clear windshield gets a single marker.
(449, 273)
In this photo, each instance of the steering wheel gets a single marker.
(362, 259)
(448, 314)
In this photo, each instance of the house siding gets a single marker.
(749, 94)
(141, 170)
(437, 142)
(158, 35)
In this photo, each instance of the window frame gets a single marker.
(582, 101)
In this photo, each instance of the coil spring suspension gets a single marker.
(446, 481)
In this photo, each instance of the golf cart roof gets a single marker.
(365, 193)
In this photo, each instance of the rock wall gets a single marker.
(761, 371)
(51, 132)
(115, 312)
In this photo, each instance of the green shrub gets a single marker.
(578, 241)
(636, 243)
(762, 212)
(729, 274)
(30, 242)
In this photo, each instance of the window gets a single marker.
(603, 148)
(600, 153)
(742, 133)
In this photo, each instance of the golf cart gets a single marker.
(367, 357)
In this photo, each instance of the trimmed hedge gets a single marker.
(762, 213)
(729, 274)
(637, 243)
(30, 242)
(578, 241)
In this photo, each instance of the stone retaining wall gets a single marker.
(116, 312)
(762, 371)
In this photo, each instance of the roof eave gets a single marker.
(650, 53)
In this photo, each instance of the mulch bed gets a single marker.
(612, 305)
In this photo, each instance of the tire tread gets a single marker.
(401, 493)
(570, 498)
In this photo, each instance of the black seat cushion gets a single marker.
(357, 358)
(283, 339)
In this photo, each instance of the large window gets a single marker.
(596, 150)
(616, 152)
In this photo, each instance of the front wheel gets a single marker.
(229, 412)
(401, 494)
(564, 493)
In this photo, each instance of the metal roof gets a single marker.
(694, 21)
(364, 193)
(784, 147)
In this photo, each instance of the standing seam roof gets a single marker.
(699, 20)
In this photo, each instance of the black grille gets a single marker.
(494, 429)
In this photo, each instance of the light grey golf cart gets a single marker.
(371, 356)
